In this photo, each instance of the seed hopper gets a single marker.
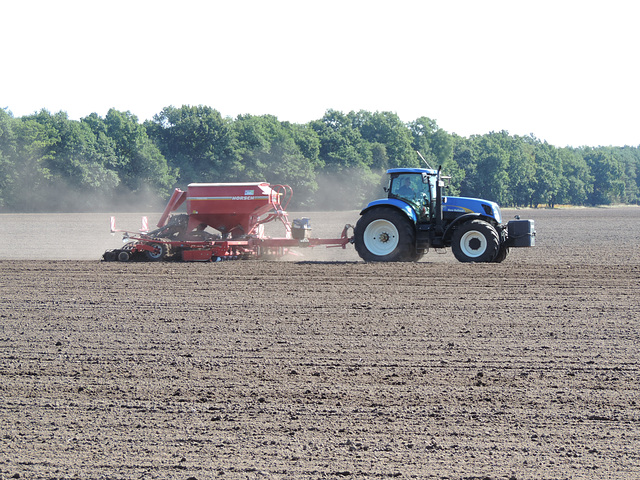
(237, 214)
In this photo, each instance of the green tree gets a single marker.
(78, 163)
(465, 156)
(346, 181)
(29, 189)
(437, 147)
(307, 141)
(521, 171)
(139, 163)
(386, 128)
(630, 160)
(197, 142)
(7, 158)
(493, 162)
(486, 171)
(577, 175)
(341, 145)
(608, 175)
(269, 151)
(433, 143)
(549, 179)
(337, 161)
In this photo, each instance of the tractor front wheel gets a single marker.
(385, 235)
(502, 255)
(475, 241)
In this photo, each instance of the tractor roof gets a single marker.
(428, 171)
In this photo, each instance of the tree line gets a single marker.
(51, 163)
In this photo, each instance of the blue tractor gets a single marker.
(417, 216)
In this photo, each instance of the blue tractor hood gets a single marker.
(457, 205)
(472, 205)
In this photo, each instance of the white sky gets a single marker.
(566, 71)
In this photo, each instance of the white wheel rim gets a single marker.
(473, 244)
(381, 237)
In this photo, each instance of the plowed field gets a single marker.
(322, 366)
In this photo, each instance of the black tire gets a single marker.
(123, 256)
(384, 234)
(502, 255)
(158, 254)
(475, 241)
(419, 254)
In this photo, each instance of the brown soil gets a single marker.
(321, 367)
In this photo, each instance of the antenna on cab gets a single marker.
(424, 160)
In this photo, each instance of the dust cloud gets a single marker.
(76, 225)
(86, 236)
(63, 198)
(348, 190)
(63, 236)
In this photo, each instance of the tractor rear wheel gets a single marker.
(475, 241)
(385, 235)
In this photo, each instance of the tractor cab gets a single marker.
(417, 188)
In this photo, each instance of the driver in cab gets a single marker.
(415, 198)
(406, 190)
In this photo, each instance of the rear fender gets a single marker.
(393, 202)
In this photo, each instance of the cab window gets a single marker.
(406, 186)
(412, 189)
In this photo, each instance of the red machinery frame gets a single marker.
(219, 206)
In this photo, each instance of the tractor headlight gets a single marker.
(492, 210)
(497, 213)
